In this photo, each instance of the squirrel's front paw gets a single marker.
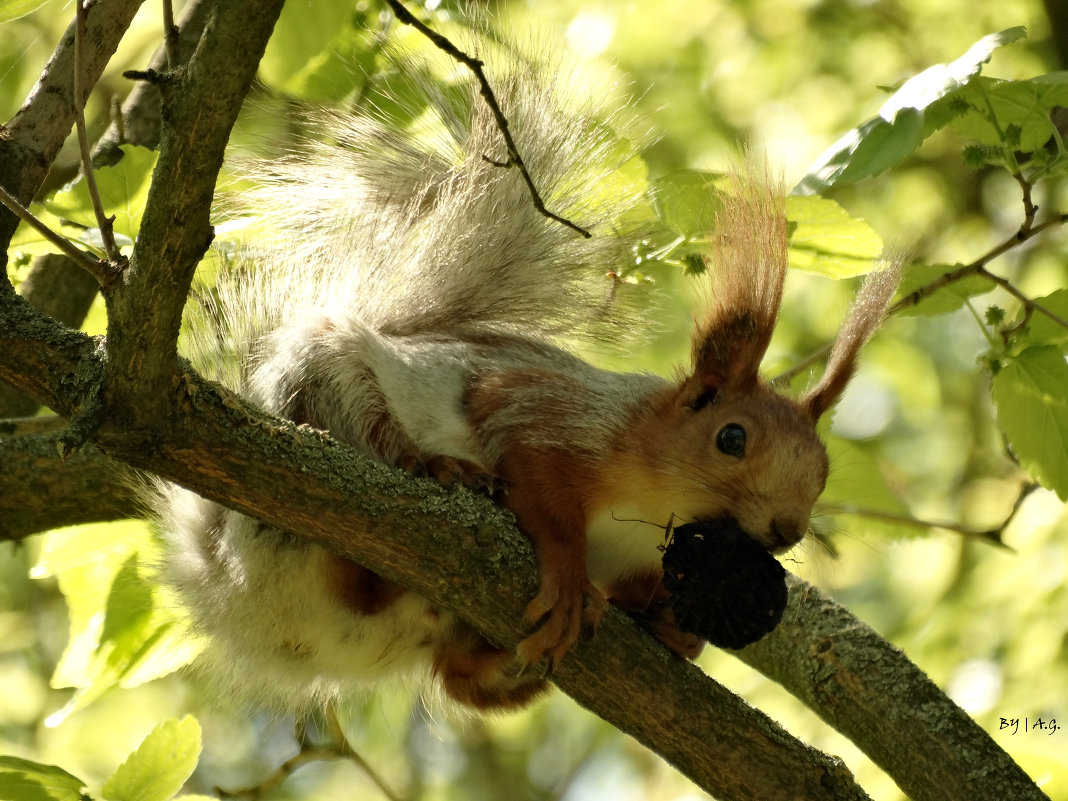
(561, 610)
(447, 471)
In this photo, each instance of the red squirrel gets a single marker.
(406, 296)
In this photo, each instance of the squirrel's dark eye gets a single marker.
(731, 440)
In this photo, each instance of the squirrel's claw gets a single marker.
(561, 612)
(447, 471)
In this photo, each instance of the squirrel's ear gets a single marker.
(747, 271)
(867, 312)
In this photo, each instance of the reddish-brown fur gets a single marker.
(664, 453)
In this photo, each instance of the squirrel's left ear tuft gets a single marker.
(865, 315)
(748, 268)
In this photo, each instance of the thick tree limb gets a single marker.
(870, 691)
(150, 412)
(200, 104)
(138, 121)
(62, 290)
(443, 544)
(85, 488)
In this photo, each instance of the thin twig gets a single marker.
(1028, 303)
(475, 65)
(170, 35)
(104, 222)
(991, 536)
(310, 752)
(344, 749)
(975, 268)
(96, 267)
(306, 755)
(1030, 209)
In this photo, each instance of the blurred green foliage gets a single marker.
(845, 99)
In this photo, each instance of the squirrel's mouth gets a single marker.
(782, 534)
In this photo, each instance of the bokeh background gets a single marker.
(916, 437)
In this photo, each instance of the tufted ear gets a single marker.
(748, 267)
(864, 317)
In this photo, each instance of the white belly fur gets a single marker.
(623, 540)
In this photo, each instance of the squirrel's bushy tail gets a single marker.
(427, 229)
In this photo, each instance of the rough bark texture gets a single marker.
(61, 289)
(84, 488)
(870, 691)
(132, 399)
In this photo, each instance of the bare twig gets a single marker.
(1030, 209)
(1029, 303)
(475, 65)
(991, 536)
(309, 752)
(96, 267)
(170, 35)
(107, 235)
(975, 268)
(344, 749)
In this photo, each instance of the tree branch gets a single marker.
(35, 134)
(60, 289)
(138, 122)
(515, 158)
(87, 487)
(199, 107)
(870, 692)
(443, 544)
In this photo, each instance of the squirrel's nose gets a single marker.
(786, 532)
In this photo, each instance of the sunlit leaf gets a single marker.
(159, 766)
(1041, 329)
(1025, 105)
(123, 190)
(885, 140)
(23, 780)
(825, 239)
(120, 635)
(13, 9)
(1031, 394)
(687, 202)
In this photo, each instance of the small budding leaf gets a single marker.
(995, 316)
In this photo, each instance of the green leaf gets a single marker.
(1041, 329)
(826, 240)
(23, 780)
(120, 634)
(884, 141)
(160, 765)
(687, 202)
(301, 45)
(123, 190)
(1031, 394)
(1020, 106)
(945, 299)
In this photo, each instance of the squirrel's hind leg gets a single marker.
(478, 674)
